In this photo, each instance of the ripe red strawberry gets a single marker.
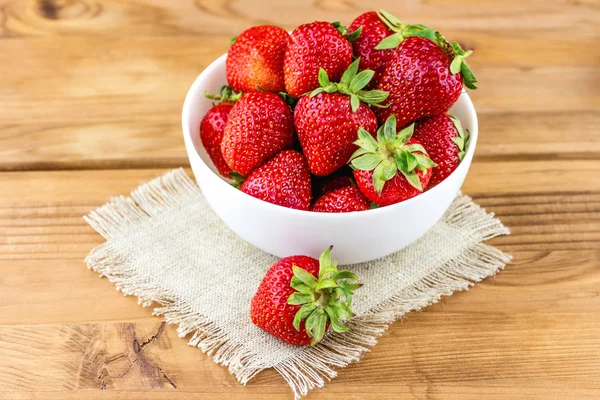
(259, 126)
(445, 141)
(314, 46)
(392, 168)
(375, 44)
(283, 180)
(212, 127)
(424, 78)
(300, 297)
(211, 134)
(345, 199)
(255, 60)
(395, 190)
(374, 30)
(327, 122)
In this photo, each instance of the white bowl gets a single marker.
(357, 236)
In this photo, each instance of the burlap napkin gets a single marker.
(166, 246)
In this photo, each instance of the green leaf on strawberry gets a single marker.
(459, 65)
(238, 179)
(462, 139)
(226, 95)
(351, 36)
(352, 84)
(289, 100)
(390, 154)
(324, 299)
(402, 31)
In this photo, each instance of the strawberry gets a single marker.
(375, 27)
(424, 78)
(392, 168)
(212, 127)
(283, 180)
(345, 199)
(300, 297)
(211, 134)
(255, 60)
(445, 141)
(327, 120)
(259, 126)
(373, 31)
(314, 46)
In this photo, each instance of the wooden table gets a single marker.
(90, 99)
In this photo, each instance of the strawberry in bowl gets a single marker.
(308, 110)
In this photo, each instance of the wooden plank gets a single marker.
(62, 291)
(40, 214)
(509, 348)
(58, 110)
(147, 78)
(485, 179)
(427, 350)
(532, 177)
(538, 136)
(163, 17)
(160, 145)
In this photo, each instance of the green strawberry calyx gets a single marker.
(390, 154)
(351, 36)
(462, 139)
(238, 179)
(326, 298)
(459, 65)
(458, 56)
(289, 100)
(226, 95)
(352, 84)
(401, 31)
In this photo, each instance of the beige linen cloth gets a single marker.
(166, 246)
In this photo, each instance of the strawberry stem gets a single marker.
(227, 95)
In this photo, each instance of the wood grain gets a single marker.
(90, 145)
(156, 48)
(65, 292)
(162, 17)
(563, 220)
(424, 350)
(90, 101)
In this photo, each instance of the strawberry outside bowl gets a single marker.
(356, 236)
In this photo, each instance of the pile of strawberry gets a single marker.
(301, 107)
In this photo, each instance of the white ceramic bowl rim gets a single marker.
(277, 208)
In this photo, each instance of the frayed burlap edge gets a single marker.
(314, 366)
